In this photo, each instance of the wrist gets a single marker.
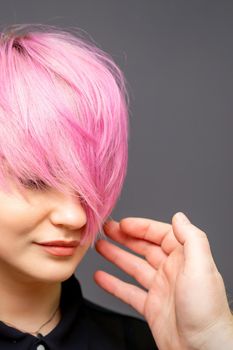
(219, 336)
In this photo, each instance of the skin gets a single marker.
(183, 297)
(28, 217)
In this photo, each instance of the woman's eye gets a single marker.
(34, 184)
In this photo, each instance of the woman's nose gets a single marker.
(69, 212)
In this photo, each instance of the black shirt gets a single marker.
(84, 325)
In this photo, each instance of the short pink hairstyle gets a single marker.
(63, 117)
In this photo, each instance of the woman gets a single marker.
(63, 148)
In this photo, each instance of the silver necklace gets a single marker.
(37, 332)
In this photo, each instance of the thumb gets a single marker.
(197, 253)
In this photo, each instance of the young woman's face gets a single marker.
(29, 225)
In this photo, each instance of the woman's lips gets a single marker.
(59, 248)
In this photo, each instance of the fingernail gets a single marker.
(108, 221)
(182, 218)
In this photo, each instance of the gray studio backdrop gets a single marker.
(178, 60)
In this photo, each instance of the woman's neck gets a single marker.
(27, 306)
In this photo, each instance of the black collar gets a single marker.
(72, 314)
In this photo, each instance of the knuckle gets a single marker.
(201, 234)
(136, 269)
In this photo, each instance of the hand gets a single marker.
(183, 297)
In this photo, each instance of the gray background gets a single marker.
(178, 59)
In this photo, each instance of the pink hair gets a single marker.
(63, 117)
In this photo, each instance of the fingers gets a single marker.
(170, 243)
(112, 230)
(141, 228)
(152, 252)
(134, 266)
(141, 235)
(128, 293)
(197, 253)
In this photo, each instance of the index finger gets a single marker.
(141, 228)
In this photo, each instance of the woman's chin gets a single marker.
(55, 275)
(46, 273)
